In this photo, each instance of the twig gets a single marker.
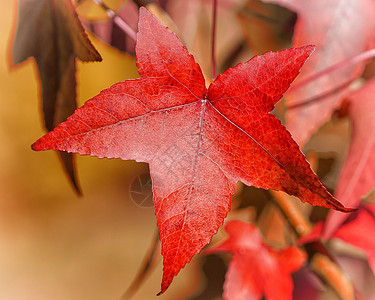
(118, 20)
(321, 262)
(319, 97)
(214, 15)
(296, 218)
(325, 268)
(346, 63)
(148, 265)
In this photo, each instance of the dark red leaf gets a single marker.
(198, 142)
(255, 268)
(50, 31)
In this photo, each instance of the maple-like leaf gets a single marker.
(357, 175)
(50, 31)
(256, 268)
(357, 230)
(340, 29)
(198, 142)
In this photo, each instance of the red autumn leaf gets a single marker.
(50, 31)
(357, 176)
(198, 142)
(358, 230)
(256, 268)
(340, 30)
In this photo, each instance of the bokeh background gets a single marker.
(53, 243)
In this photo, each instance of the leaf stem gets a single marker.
(320, 261)
(118, 20)
(345, 63)
(295, 217)
(319, 97)
(149, 262)
(214, 15)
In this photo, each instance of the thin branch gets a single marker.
(118, 20)
(214, 15)
(296, 218)
(319, 97)
(148, 265)
(321, 262)
(346, 63)
(323, 266)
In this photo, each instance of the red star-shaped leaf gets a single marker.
(256, 268)
(198, 142)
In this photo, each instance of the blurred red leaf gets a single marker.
(198, 142)
(357, 230)
(50, 31)
(357, 176)
(340, 30)
(256, 268)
